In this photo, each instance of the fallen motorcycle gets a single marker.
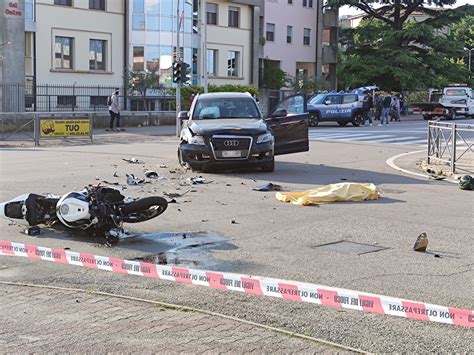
(97, 209)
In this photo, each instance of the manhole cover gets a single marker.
(343, 246)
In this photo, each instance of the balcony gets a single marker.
(330, 18)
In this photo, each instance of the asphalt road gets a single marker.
(271, 238)
(400, 133)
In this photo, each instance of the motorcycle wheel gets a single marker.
(144, 209)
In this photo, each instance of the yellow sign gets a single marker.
(64, 128)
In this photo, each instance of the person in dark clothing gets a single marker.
(378, 106)
(386, 103)
(367, 104)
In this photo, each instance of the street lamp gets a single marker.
(470, 51)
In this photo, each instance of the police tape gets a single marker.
(256, 285)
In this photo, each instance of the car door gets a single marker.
(289, 123)
(349, 104)
(331, 107)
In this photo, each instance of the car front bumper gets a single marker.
(201, 157)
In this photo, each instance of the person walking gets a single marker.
(378, 106)
(114, 110)
(387, 101)
(367, 104)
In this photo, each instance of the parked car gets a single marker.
(341, 108)
(228, 130)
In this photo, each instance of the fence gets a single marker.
(445, 141)
(29, 97)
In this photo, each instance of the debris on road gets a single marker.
(133, 161)
(340, 192)
(115, 174)
(110, 183)
(151, 174)
(175, 194)
(132, 180)
(31, 231)
(198, 180)
(233, 221)
(466, 183)
(421, 242)
(268, 187)
(162, 166)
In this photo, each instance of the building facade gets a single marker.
(300, 37)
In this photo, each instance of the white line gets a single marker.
(338, 136)
(373, 138)
(399, 139)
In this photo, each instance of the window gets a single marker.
(152, 22)
(234, 16)
(97, 5)
(307, 37)
(138, 6)
(289, 34)
(98, 101)
(307, 3)
(138, 58)
(211, 62)
(63, 2)
(66, 101)
(290, 2)
(233, 63)
(63, 53)
(152, 58)
(270, 32)
(334, 99)
(97, 54)
(138, 22)
(349, 99)
(29, 10)
(211, 13)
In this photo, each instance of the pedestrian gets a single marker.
(378, 106)
(114, 110)
(395, 108)
(367, 104)
(387, 101)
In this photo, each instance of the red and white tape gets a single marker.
(262, 286)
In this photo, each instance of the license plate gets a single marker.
(231, 154)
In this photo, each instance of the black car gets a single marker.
(228, 130)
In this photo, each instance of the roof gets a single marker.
(225, 95)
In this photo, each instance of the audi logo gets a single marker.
(232, 143)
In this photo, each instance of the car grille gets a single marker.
(221, 145)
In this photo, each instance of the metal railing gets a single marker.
(29, 97)
(444, 144)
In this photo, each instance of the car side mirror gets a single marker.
(327, 102)
(279, 113)
(183, 115)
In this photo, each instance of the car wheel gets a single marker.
(427, 117)
(269, 167)
(357, 120)
(342, 123)
(313, 119)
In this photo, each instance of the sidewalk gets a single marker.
(50, 320)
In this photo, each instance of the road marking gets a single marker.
(262, 286)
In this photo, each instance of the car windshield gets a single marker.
(318, 99)
(455, 92)
(218, 108)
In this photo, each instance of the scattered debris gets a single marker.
(466, 183)
(436, 177)
(228, 185)
(110, 183)
(198, 180)
(172, 171)
(162, 166)
(175, 194)
(97, 178)
(150, 174)
(132, 180)
(172, 201)
(35, 230)
(268, 187)
(204, 220)
(421, 242)
(133, 161)
(437, 256)
(343, 179)
(115, 174)
(233, 221)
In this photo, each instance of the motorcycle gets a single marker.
(97, 209)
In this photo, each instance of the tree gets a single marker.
(307, 84)
(138, 82)
(395, 52)
(273, 77)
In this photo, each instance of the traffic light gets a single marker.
(177, 73)
(185, 70)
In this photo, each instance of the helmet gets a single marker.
(466, 183)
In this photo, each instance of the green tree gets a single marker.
(307, 84)
(392, 51)
(138, 82)
(273, 77)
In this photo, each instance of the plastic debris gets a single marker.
(162, 166)
(151, 174)
(198, 180)
(421, 242)
(132, 180)
(115, 174)
(341, 192)
(268, 187)
(133, 161)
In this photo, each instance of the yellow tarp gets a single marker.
(345, 191)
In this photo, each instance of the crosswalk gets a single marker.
(413, 137)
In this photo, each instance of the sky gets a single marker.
(345, 10)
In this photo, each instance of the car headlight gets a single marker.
(198, 140)
(264, 138)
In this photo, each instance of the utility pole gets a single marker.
(178, 84)
(204, 42)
